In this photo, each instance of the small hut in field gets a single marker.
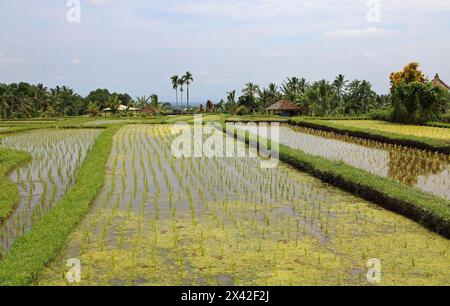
(151, 111)
(438, 82)
(284, 108)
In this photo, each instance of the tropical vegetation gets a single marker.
(321, 98)
(415, 99)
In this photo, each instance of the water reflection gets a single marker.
(424, 170)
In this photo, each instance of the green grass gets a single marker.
(439, 124)
(13, 127)
(31, 252)
(422, 143)
(9, 195)
(429, 210)
(257, 118)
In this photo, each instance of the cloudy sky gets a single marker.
(135, 46)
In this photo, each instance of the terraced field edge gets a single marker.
(428, 210)
(9, 195)
(421, 143)
(31, 252)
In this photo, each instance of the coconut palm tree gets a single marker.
(188, 79)
(250, 90)
(114, 104)
(175, 83)
(181, 83)
(93, 109)
(154, 100)
(142, 102)
(340, 84)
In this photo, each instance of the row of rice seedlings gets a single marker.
(195, 220)
(57, 154)
(414, 130)
(417, 168)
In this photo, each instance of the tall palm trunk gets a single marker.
(176, 93)
(187, 96)
(181, 96)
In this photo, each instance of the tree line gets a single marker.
(321, 98)
(23, 100)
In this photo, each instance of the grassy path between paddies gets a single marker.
(429, 210)
(29, 254)
(16, 127)
(9, 195)
(422, 143)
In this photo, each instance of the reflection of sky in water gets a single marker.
(375, 161)
(438, 184)
(425, 171)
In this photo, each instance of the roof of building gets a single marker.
(149, 110)
(285, 105)
(121, 108)
(438, 82)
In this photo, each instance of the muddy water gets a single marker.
(225, 221)
(427, 171)
(56, 156)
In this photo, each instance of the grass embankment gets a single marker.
(439, 124)
(9, 195)
(14, 127)
(257, 118)
(431, 211)
(423, 143)
(31, 252)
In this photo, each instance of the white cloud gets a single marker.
(6, 60)
(77, 61)
(358, 33)
(274, 55)
(101, 2)
(272, 8)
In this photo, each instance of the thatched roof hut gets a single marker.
(284, 108)
(438, 82)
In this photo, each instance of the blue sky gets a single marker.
(135, 46)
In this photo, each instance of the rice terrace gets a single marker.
(285, 184)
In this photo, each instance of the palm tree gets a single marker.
(250, 90)
(181, 83)
(175, 83)
(142, 102)
(93, 109)
(188, 79)
(114, 104)
(340, 84)
(231, 97)
(154, 100)
(294, 87)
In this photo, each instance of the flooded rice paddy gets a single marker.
(56, 156)
(383, 126)
(225, 221)
(424, 170)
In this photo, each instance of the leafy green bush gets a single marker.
(382, 115)
(417, 102)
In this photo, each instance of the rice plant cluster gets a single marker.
(56, 156)
(225, 221)
(415, 130)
